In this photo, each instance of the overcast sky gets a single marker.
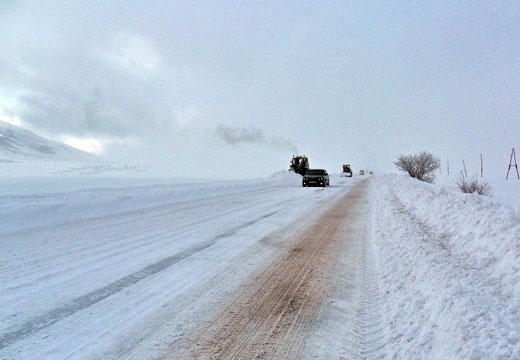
(196, 88)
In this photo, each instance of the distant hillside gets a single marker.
(19, 144)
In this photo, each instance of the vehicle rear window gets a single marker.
(315, 172)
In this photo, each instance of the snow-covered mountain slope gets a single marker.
(25, 154)
(449, 272)
(18, 144)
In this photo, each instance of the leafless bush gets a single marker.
(420, 166)
(473, 185)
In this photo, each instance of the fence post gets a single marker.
(481, 167)
(511, 164)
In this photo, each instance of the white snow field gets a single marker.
(133, 269)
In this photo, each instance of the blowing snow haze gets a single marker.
(235, 136)
(189, 89)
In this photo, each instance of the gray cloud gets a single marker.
(240, 135)
(83, 81)
(162, 73)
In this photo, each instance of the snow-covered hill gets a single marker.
(25, 154)
(18, 144)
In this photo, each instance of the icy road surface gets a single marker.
(300, 295)
(139, 272)
(369, 268)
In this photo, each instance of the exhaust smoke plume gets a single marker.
(234, 136)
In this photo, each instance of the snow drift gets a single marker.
(449, 272)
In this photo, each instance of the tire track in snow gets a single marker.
(91, 239)
(83, 302)
(274, 315)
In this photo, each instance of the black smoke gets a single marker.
(240, 135)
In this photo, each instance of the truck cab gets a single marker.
(347, 171)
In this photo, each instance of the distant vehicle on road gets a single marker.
(361, 172)
(347, 171)
(316, 177)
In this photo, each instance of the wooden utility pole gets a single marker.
(513, 164)
(481, 167)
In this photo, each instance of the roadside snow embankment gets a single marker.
(449, 272)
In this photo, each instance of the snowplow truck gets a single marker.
(299, 164)
(347, 171)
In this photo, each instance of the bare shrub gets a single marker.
(473, 185)
(420, 166)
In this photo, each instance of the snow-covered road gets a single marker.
(369, 268)
(310, 293)
(124, 272)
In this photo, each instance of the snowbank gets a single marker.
(285, 175)
(506, 192)
(449, 272)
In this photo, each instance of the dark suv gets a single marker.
(316, 177)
